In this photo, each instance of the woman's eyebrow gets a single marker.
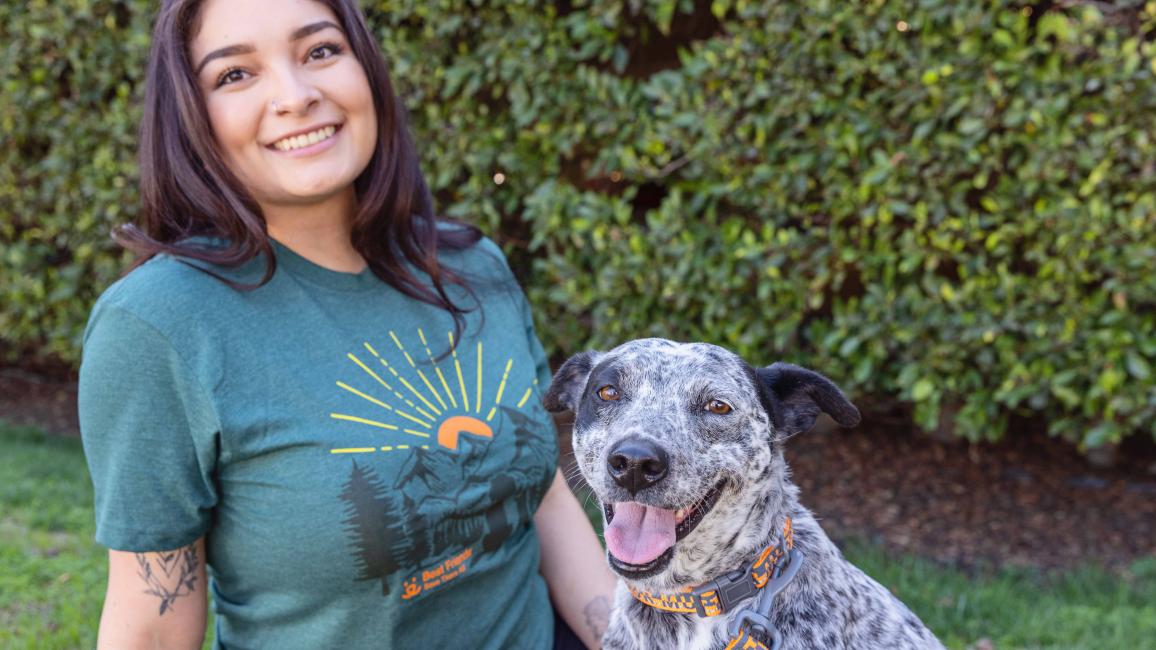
(234, 50)
(312, 28)
(231, 50)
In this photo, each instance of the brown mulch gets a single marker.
(1029, 501)
(34, 399)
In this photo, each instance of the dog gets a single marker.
(683, 445)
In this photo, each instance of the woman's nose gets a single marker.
(293, 93)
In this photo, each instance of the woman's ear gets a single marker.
(566, 387)
(797, 396)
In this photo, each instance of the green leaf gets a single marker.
(1054, 23)
(922, 389)
(1137, 366)
(1102, 434)
(1066, 395)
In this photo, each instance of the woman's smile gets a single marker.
(307, 143)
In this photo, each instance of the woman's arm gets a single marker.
(574, 565)
(155, 600)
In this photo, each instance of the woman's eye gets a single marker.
(231, 76)
(609, 394)
(718, 407)
(324, 51)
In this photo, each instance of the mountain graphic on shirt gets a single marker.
(457, 493)
(404, 526)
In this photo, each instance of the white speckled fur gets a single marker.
(830, 604)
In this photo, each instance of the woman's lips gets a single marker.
(307, 144)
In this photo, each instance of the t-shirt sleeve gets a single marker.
(149, 432)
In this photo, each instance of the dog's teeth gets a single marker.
(680, 514)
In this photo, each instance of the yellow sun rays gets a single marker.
(391, 389)
(526, 395)
(478, 401)
(458, 365)
(406, 384)
(445, 385)
(501, 389)
(370, 450)
(418, 371)
(437, 404)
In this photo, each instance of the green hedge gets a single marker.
(950, 203)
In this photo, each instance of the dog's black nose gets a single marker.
(637, 464)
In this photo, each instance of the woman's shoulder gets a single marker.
(168, 290)
(473, 253)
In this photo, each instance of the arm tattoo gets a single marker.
(169, 575)
(597, 614)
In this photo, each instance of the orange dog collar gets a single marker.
(724, 593)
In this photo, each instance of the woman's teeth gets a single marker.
(302, 141)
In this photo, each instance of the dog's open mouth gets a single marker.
(641, 538)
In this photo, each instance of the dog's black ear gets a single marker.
(795, 396)
(566, 387)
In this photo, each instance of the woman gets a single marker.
(310, 389)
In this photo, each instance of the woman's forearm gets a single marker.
(574, 565)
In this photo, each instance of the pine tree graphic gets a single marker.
(529, 440)
(378, 538)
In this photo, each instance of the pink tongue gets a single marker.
(638, 534)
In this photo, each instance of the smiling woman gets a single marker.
(292, 117)
(309, 392)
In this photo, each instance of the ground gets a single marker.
(1027, 502)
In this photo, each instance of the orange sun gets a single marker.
(450, 429)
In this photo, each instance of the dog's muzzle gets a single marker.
(636, 464)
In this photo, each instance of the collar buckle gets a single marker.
(757, 620)
(722, 594)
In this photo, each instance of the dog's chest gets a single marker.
(707, 634)
(645, 628)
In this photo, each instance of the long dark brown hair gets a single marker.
(187, 190)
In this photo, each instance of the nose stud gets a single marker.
(276, 107)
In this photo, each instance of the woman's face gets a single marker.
(289, 104)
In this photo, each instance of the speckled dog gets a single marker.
(682, 443)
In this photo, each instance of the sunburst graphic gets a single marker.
(430, 406)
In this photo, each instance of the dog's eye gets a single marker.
(718, 407)
(609, 394)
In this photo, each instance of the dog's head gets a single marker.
(680, 442)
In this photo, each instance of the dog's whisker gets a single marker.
(586, 501)
(575, 478)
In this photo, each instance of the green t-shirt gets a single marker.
(360, 484)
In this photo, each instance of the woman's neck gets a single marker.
(319, 232)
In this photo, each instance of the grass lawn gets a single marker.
(52, 574)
